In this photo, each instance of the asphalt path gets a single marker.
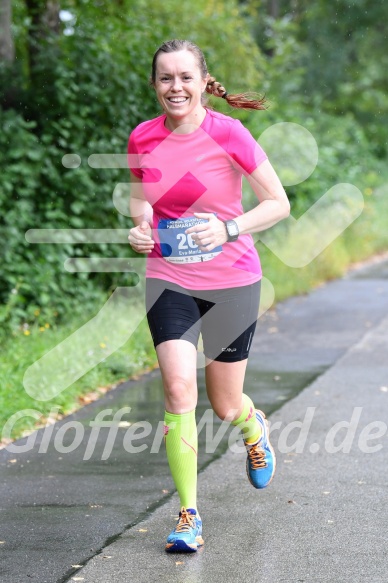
(72, 504)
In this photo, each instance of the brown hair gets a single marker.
(238, 100)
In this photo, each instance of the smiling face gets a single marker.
(179, 86)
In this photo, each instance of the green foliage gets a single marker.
(340, 49)
(87, 87)
(136, 355)
(82, 93)
(38, 192)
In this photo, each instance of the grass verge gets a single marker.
(367, 236)
(134, 357)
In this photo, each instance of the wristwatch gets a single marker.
(232, 231)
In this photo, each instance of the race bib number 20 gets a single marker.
(177, 247)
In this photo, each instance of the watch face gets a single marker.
(232, 229)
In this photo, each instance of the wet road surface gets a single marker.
(74, 491)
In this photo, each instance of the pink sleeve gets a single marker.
(133, 157)
(243, 148)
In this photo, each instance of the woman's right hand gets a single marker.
(140, 238)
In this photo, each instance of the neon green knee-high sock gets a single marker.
(250, 426)
(181, 439)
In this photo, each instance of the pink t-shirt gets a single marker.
(196, 172)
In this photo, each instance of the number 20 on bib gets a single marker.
(177, 246)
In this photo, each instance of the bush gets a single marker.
(82, 94)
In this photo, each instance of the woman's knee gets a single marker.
(176, 386)
(227, 411)
(177, 360)
(180, 394)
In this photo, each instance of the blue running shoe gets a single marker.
(261, 461)
(187, 534)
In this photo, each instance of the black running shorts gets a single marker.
(226, 318)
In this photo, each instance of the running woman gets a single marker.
(203, 272)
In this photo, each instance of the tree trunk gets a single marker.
(45, 21)
(7, 49)
(51, 16)
(273, 8)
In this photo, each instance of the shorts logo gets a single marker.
(229, 349)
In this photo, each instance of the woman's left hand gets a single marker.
(208, 235)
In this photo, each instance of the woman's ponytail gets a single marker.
(238, 100)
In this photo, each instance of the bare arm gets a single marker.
(140, 236)
(273, 207)
(139, 208)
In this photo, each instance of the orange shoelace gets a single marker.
(257, 457)
(186, 521)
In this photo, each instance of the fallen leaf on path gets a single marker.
(89, 397)
(143, 530)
